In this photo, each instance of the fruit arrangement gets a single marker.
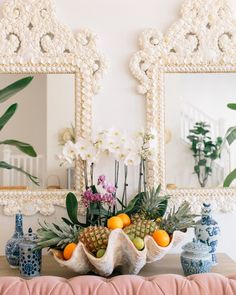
(141, 232)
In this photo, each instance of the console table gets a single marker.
(170, 264)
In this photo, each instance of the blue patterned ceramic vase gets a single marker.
(196, 258)
(12, 246)
(30, 259)
(207, 230)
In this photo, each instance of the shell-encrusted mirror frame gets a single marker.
(33, 41)
(203, 40)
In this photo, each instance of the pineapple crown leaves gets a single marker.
(149, 203)
(153, 204)
(179, 219)
(56, 236)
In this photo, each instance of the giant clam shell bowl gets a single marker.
(120, 252)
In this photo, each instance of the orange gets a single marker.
(125, 218)
(115, 222)
(68, 251)
(161, 237)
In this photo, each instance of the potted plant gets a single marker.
(205, 151)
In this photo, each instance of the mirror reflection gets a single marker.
(196, 121)
(44, 119)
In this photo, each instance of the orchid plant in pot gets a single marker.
(101, 199)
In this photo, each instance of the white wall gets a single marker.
(118, 24)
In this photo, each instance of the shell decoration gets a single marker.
(120, 252)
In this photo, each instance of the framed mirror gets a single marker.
(188, 77)
(66, 68)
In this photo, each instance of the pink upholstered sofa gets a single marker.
(206, 284)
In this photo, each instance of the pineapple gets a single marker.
(179, 219)
(95, 238)
(147, 205)
(141, 228)
(153, 205)
(56, 236)
(135, 218)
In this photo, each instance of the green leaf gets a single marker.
(5, 165)
(162, 208)
(22, 146)
(202, 162)
(219, 141)
(230, 178)
(7, 115)
(72, 208)
(134, 204)
(120, 202)
(208, 170)
(94, 189)
(68, 222)
(14, 88)
(196, 169)
(232, 106)
(231, 135)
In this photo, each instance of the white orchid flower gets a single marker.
(69, 152)
(82, 145)
(90, 154)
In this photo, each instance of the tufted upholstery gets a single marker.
(205, 284)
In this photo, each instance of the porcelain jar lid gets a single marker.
(196, 247)
(29, 239)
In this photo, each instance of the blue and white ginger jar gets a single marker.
(196, 258)
(30, 258)
(207, 231)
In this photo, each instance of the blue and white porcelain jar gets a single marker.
(30, 259)
(12, 246)
(207, 231)
(196, 258)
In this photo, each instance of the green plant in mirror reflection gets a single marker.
(25, 148)
(205, 151)
(229, 138)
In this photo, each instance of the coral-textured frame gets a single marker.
(203, 40)
(33, 41)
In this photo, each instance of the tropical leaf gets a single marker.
(134, 205)
(7, 166)
(22, 146)
(72, 209)
(232, 106)
(14, 88)
(230, 178)
(7, 115)
(230, 135)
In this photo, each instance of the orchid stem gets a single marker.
(144, 177)
(91, 172)
(140, 176)
(124, 197)
(85, 175)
